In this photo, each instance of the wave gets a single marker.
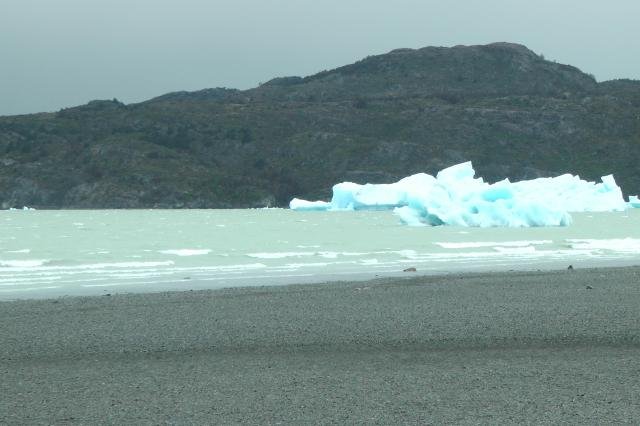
(186, 252)
(29, 263)
(481, 244)
(626, 245)
(45, 265)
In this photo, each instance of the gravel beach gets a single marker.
(502, 348)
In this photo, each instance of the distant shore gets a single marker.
(512, 347)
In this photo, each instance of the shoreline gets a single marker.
(501, 347)
(312, 279)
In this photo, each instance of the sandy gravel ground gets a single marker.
(536, 347)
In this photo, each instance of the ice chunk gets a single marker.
(634, 201)
(351, 196)
(25, 208)
(298, 204)
(573, 194)
(456, 197)
(459, 173)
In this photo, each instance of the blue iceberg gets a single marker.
(456, 197)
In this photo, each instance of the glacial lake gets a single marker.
(92, 252)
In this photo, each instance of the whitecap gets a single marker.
(280, 255)
(480, 244)
(613, 244)
(186, 252)
(303, 265)
(31, 263)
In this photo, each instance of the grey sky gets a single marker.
(59, 53)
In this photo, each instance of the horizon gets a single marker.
(67, 54)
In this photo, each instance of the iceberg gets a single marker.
(456, 197)
(634, 202)
(304, 205)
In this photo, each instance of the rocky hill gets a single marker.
(507, 109)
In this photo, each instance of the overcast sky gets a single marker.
(60, 53)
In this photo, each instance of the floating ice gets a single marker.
(634, 201)
(455, 197)
(25, 208)
(297, 204)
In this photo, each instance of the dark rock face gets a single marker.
(502, 106)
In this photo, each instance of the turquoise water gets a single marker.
(54, 253)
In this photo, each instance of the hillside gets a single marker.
(508, 110)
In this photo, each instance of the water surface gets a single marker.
(54, 253)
